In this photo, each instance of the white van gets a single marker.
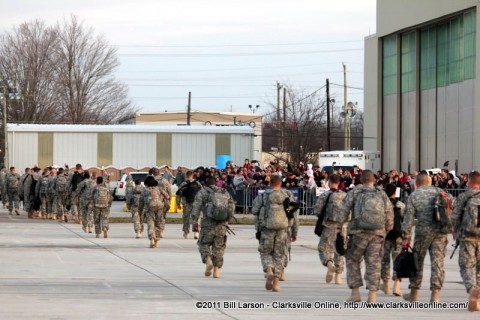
(347, 159)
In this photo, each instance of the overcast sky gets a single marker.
(228, 53)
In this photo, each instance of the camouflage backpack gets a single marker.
(12, 182)
(43, 184)
(275, 215)
(61, 184)
(51, 184)
(102, 197)
(471, 217)
(220, 204)
(442, 211)
(154, 199)
(370, 210)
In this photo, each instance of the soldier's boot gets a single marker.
(79, 219)
(66, 218)
(138, 235)
(44, 215)
(330, 272)
(216, 272)
(283, 276)
(156, 243)
(396, 288)
(435, 296)
(89, 229)
(16, 211)
(355, 295)
(473, 304)
(208, 267)
(270, 277)
(185, 235)
(152, 243)
(372, 296)
(10, 212)
(412, 296)
(195, 235)
(105, 234)
(385, 286)
(276, 284)
(161, 233)
(338, 278)
(54, 216)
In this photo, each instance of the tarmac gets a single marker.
(53, 270)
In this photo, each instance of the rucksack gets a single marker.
(12, 182)
(370, 210)
(51, 184)
(321, 217)
(43, 184)
(76, 179)
(102, 197)
(61, 184)
(154, 200)
(405, 264)
(191, 191)
(470, 216)
(275, 215)
(396, 232)
(219, 207)
(441, 213)
(33, 187)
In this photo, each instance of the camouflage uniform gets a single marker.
(420, 206)
(153, 215)
(362, 243)
(273, 246)
(85, 190)
(51, 200)
(213, 234)
(186, 206)
(166, 189)
(74, 194)
(469, 248)
(25, 191)
(392, 247)
(60, 196)
(101, 213)
(292, 231)
(13, 187)
(3, 187)
(41, 192)
(133, 203)
(331, 226)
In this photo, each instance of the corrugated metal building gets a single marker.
(123, 146)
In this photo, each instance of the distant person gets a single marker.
(102, 200)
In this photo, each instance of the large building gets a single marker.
(199, 118)
(422, 97)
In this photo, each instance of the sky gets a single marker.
(229, 54)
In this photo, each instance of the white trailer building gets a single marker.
(122, 146)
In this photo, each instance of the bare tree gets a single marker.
(88, 90)
(26, 59)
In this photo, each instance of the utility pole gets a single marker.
(5, 132)
(278, 114)
(189, 107)
(346, 143)
(284, 118)
(328, 115)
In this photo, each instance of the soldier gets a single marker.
(3, 174)
(152, 202)
(166, 188)
(133, 204)
(330, 202)
(292, 233)
(466, 225)
(61, 195)
(51, 195)
(218, 206)
(85, 191)
(41, 192)
(393, 243)
(185, 197)
(102, 200)
(272, 225)
(29, 184)
(428, 237)
(371, 219)
(23, 186)
(13, 187)
(74, 179)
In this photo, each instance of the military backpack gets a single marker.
(102, 197)
(275, 216)
(154, 199)
(219, 205)
(471, 217)
(370, 210)
(12, 182)
(442, 209)
(61, 184)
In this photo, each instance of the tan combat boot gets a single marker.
(396, 288)
(216, 272)
(338, 278)
(195, 235)
(161, 233)
(208, 267)
(372, 296)
(270, 277)
(385, 286)
(152, 243)
(156, 243)
(105, 234)
(330, 272)
(138, 235)
(355, 295)
(412, 296)
(435, 296)
(473, 304)
(185, 235)
(276, 284)
(283, 277)
(54, 216)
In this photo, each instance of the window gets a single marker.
(469, 31)
(428, 58)
(408, 62)
(390, 65)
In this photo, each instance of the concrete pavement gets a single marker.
(52, 270)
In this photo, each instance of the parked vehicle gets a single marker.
(119, 192)
(348, 159)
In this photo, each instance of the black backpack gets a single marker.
(191, 191)
(396, 232)
(406, 264)
(76, 179)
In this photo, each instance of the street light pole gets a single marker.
(4, 98)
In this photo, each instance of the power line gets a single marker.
(212, 97)
(341, 85)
